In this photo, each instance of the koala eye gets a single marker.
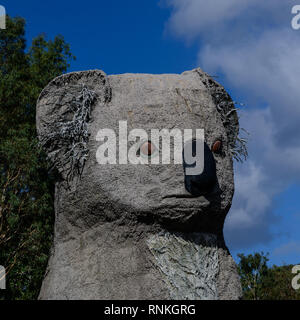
(217, 146)
(147, 148)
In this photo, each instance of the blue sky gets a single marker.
(116, 36)
(250, 45)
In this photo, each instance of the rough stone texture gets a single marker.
(189, 263)
(111, 220)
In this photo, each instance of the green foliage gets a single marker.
(26, 188)
(260, 282)
(252, 270)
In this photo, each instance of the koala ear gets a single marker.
(226, 108)
(64, 110)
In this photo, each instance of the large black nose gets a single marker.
(203, 183)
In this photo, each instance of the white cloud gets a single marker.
(287, 248)
(193, 18)
(265, 68)
(253, 198)
(190, 17)
(251, 43)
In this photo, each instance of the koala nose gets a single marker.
(204, 182)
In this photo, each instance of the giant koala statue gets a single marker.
(138, 231)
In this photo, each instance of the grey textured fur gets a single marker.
(189, 263)
(110, 220)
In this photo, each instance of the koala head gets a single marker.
(81, 114)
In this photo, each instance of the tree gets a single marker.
(260, 282)
(252, 270)
(26, 187)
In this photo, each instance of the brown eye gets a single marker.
(147, 148)
(216, 147)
